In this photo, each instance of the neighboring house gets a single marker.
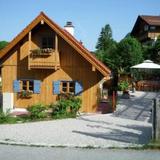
(146, 28)
(45, 60)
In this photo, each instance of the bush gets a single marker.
(75, 104)
(123, 85)
(67, 106)
(7, 118)
(37, 111)
(4, 117)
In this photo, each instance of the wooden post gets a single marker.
(113, 101)
(42, 22)
(29, 48)
(156, 119)
(56, 43)
(93, 68)
(56, 50)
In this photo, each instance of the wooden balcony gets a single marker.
(43, 59)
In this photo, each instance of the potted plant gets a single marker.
(124, 86)
(26, 94)
(42, 52)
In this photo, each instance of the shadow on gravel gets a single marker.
(94, 121)
(142, 137)
(136, 108)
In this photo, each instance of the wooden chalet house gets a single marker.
(146, 28)
(45, 60)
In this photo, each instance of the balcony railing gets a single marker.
(42, 52)
(46, 58)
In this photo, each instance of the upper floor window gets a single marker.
(47, 42)
(145, 27)
(152, 27)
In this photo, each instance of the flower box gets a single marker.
(42, 52)
(25, 94)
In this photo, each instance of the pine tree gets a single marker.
(105, 38)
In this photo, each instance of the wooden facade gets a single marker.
(146, 28)
(27, 65)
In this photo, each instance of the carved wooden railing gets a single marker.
(46, 58)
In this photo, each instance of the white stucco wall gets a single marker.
(7, 101)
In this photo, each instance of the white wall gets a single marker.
(7, 101)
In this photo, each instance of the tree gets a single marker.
(156, 51)
(152, 51)
(129, 52)
(105, 38)
(121, 56)
(3, 44)
(105, 46)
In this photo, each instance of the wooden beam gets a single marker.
(29, 48)
(29, 40)
(93, 68)
(56, 50)
(56, 42)
(55, 67)
(42, 22)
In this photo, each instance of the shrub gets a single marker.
(37, 111)
(75, 104)
(67, 106)
(123, 85)
(60, 108)
(7, 118)
(4, 117)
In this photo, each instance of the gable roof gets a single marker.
(65, 35)
(150, 20)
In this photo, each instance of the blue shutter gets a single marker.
(56, 87)
(78, 88)
(16, 86)
(37, 86)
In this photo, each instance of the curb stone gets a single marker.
(132, 146)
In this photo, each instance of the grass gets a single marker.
(9, 119)
(152, 145)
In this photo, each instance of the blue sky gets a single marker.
(88, 16)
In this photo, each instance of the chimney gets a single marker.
(69, 28)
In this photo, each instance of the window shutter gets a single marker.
(16, 86)
(56, 87)
(37, 86)
(78, 88)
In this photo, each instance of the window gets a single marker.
(146, 28)
(68, 87)
(152, 27)
(27, 85)
(47, 42)
(64, 87)
(24, 85)
(31, 85)
(73, 87)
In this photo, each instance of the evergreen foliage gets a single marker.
(3, 44)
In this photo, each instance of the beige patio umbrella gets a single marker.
(147, 64)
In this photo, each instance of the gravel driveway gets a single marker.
(128, 126)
